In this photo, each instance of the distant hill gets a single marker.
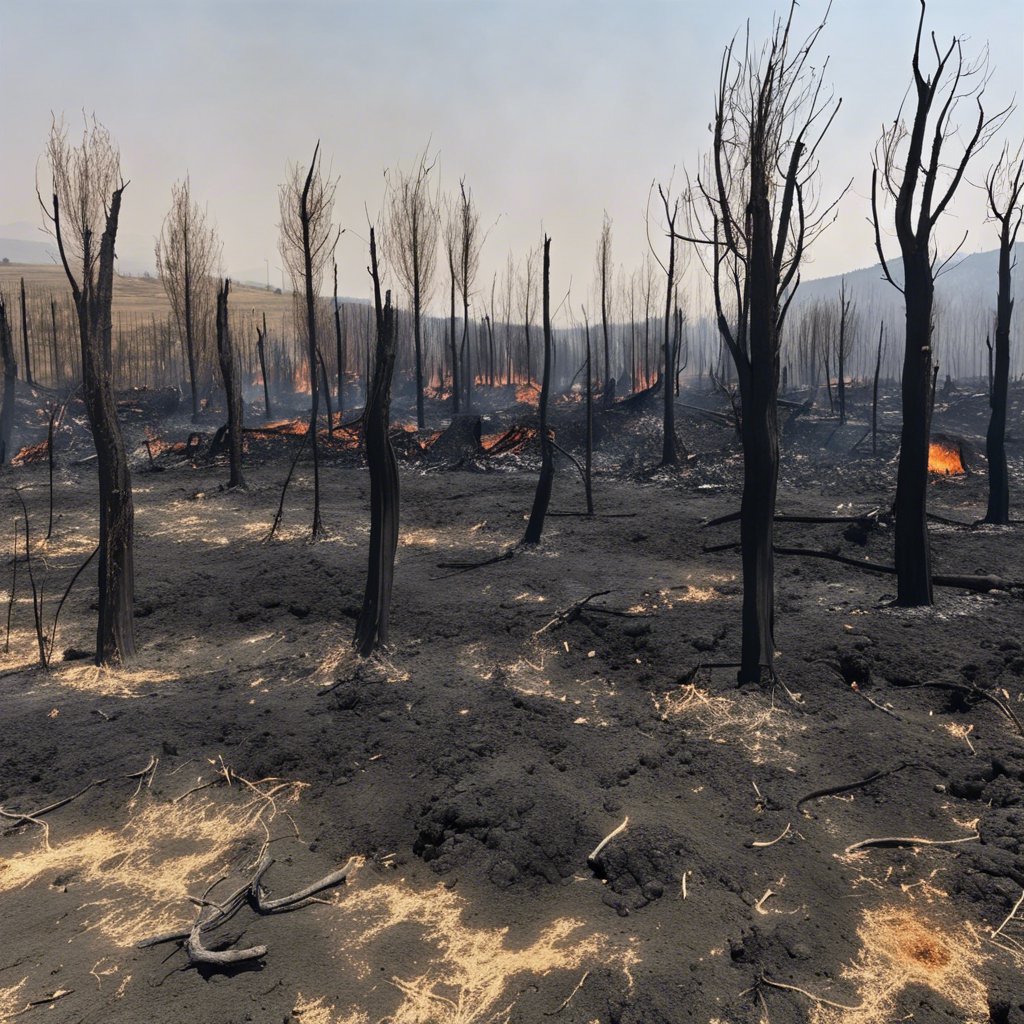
(968, 284)
(17, 250)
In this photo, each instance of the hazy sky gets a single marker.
(553, 111)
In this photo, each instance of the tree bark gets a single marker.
(232, 389)
(542, 496)
(24, 336)
(261, 349)
(10, 360)
(115, 632)
(995, 438)
(372, 625)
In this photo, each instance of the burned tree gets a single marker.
(339, 344)
(261, 351)
(411, 243)
(232, 388)
(669, 456)
(604, 282)
(528, 303)
(187, 254)
(372, 625)
(843, 348)
(306, 203)
(542, 496)
(1005, 190)
(468, 242)
(86, 201)
(451, 249)
(921, 187)
(753, 207)
(24, 337)
(10, 382)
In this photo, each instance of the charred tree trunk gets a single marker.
(455, 354)
(190, 345)
(58, 375)
(327, 393)
(261, 349)
(115, 633)
(10, 381)
(417, 332)
(759, 382)
(874, 392)
(314, 382)
(912, 548)
(232, 388)
(372, 626)
(339, 342)
(1009, 219)
(669, 456)
(24, 336)
(542, 496)
(844, 309)
(589, 457)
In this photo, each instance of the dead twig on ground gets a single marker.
(596, 852)
(572, 613)
(212, 915)
(866, 844)
(848, 787)
(568, 998)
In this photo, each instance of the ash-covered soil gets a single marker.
(506, 733)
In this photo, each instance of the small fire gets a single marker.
(31, 453)
(527, 394)
(944, 459)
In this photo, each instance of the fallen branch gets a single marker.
(213, 915)
(461, 567)
(761, 844)
(979, 584)
(765, 980)
(848, 787)
(571, 613)
(977, 691)
(865, 844)
(24, 819)
(595, 853)
(568, 998)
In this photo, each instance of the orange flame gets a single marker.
(944, 459)
(527, 394)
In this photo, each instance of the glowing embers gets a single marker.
(900, 949)
(944, 459)
(747, 722)
(467, 974)
(136, 879)
(528, 394)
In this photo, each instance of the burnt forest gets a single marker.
(542, 589)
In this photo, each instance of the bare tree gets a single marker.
(411, 230)
(232, 387)
(528, 303)
(307, 237)
(86, 202)
(372, 625)
(542, 496)
(187, 260)
(1005, 189)
(451, 249)
(10, 360)
(670, 207)
(603, 261)
(469, 241)
(846, 334)
(921, 188)
(755, 208)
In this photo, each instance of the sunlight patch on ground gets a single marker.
(901, 948)
(105, 681)
(140, 875)
(746, 721)
(316, 1011)
(468, 970)
(11, 1001)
